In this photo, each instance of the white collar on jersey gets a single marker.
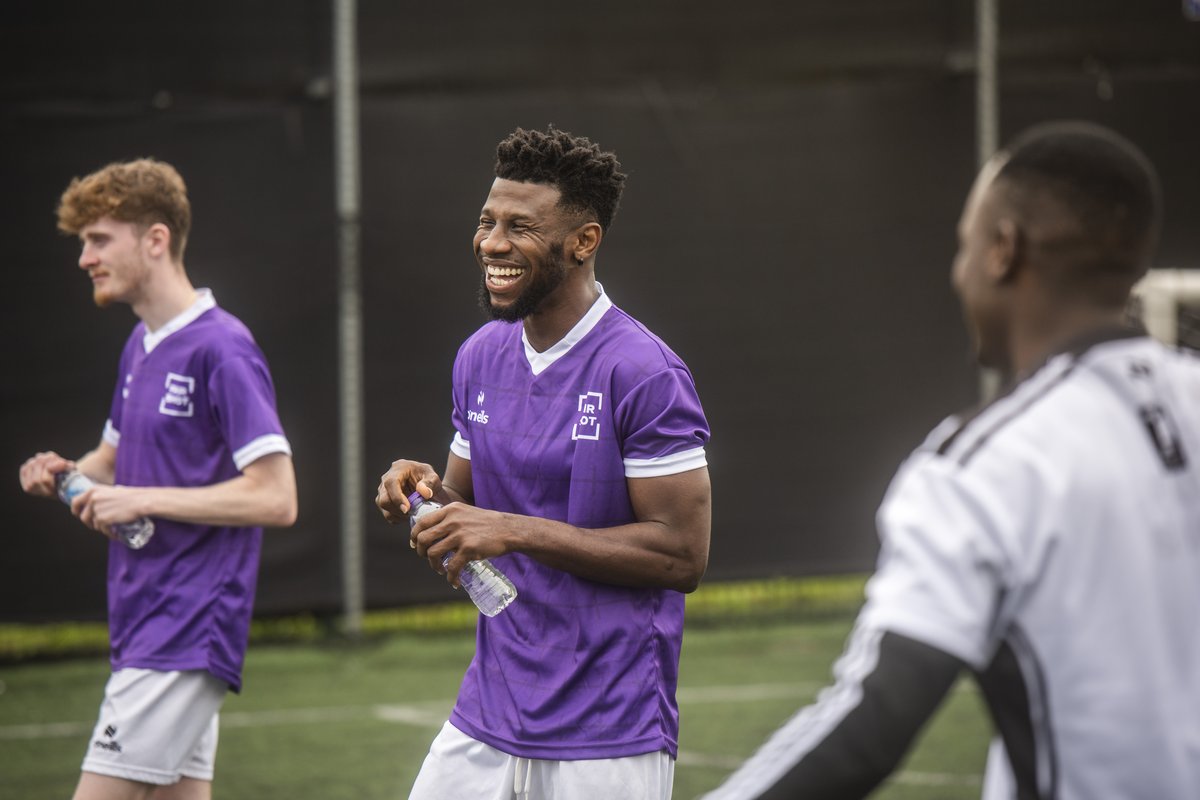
(539, 361)
(204, 301)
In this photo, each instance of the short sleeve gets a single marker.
(460, 445)
(243, 403)
(112, 426)
(942, 567)
(662, 426)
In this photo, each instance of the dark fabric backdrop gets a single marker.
(796, 175)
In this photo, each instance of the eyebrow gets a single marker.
(519, 216)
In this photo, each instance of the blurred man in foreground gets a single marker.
(1049, 542)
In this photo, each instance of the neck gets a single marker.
(165, 296)
(559, 313)
(1041, 337)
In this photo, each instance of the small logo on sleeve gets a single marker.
(587, 425)
(177, 401)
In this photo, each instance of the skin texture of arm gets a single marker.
(666, 548)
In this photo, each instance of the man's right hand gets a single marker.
(37, 473)
(399, 482)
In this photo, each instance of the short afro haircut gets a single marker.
(1097, 177)
(589, 180)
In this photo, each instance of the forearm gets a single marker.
(666, 546)
(644, 554)
(97, 465)
(265, 494)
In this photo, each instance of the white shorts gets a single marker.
(157, 727)
(460, 767)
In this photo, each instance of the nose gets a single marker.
(493, 242)
(87, 257)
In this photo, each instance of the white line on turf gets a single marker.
(433, 712)
(688, 758)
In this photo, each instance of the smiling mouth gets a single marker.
(500, 277)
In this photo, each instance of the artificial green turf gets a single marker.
(320, 720)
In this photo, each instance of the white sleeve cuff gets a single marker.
(460, 446)
(262, 446)
(111, 435)
(665, 465)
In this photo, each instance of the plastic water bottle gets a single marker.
(72, 483)
(487, 586)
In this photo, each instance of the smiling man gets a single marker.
(192, 441)
(577, 466)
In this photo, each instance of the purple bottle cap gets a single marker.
(415, 499)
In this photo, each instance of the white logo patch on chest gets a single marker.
(587, 426)
(177, 401)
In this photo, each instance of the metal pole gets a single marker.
(987, 123)
(346, 172)
(987, 114)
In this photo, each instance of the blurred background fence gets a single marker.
(796, 175)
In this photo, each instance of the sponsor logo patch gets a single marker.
(177, 400)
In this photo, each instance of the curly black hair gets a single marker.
(589, 180)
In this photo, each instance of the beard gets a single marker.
(541, 286)
(101, 298)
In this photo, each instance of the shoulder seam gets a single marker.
(985, 436)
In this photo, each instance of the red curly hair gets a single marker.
(143, 192)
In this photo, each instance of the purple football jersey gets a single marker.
(574, 669)
(194, 404)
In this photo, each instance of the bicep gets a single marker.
(272, 472)
(273, 481)
(681, 505)
(456, 480)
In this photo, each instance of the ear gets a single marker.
(583, 243)
(157, 241)
(1007, 252)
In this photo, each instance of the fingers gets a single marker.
(37, 473)
(398, 482)
(453, 569)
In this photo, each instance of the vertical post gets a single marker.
(346, 179)
(987, 114)
(987, 123)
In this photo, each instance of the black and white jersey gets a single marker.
(1051, 543)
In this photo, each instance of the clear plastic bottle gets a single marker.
(72, 483)
(487, 586)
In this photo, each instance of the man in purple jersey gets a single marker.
(578, 467)
(193, 441)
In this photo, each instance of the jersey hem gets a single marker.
(672, 464)
(262, 446)
(231, 678)
(140, 774)
(582, 752)
(929, 634)
(111, 435)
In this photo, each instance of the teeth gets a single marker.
(497, 272)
